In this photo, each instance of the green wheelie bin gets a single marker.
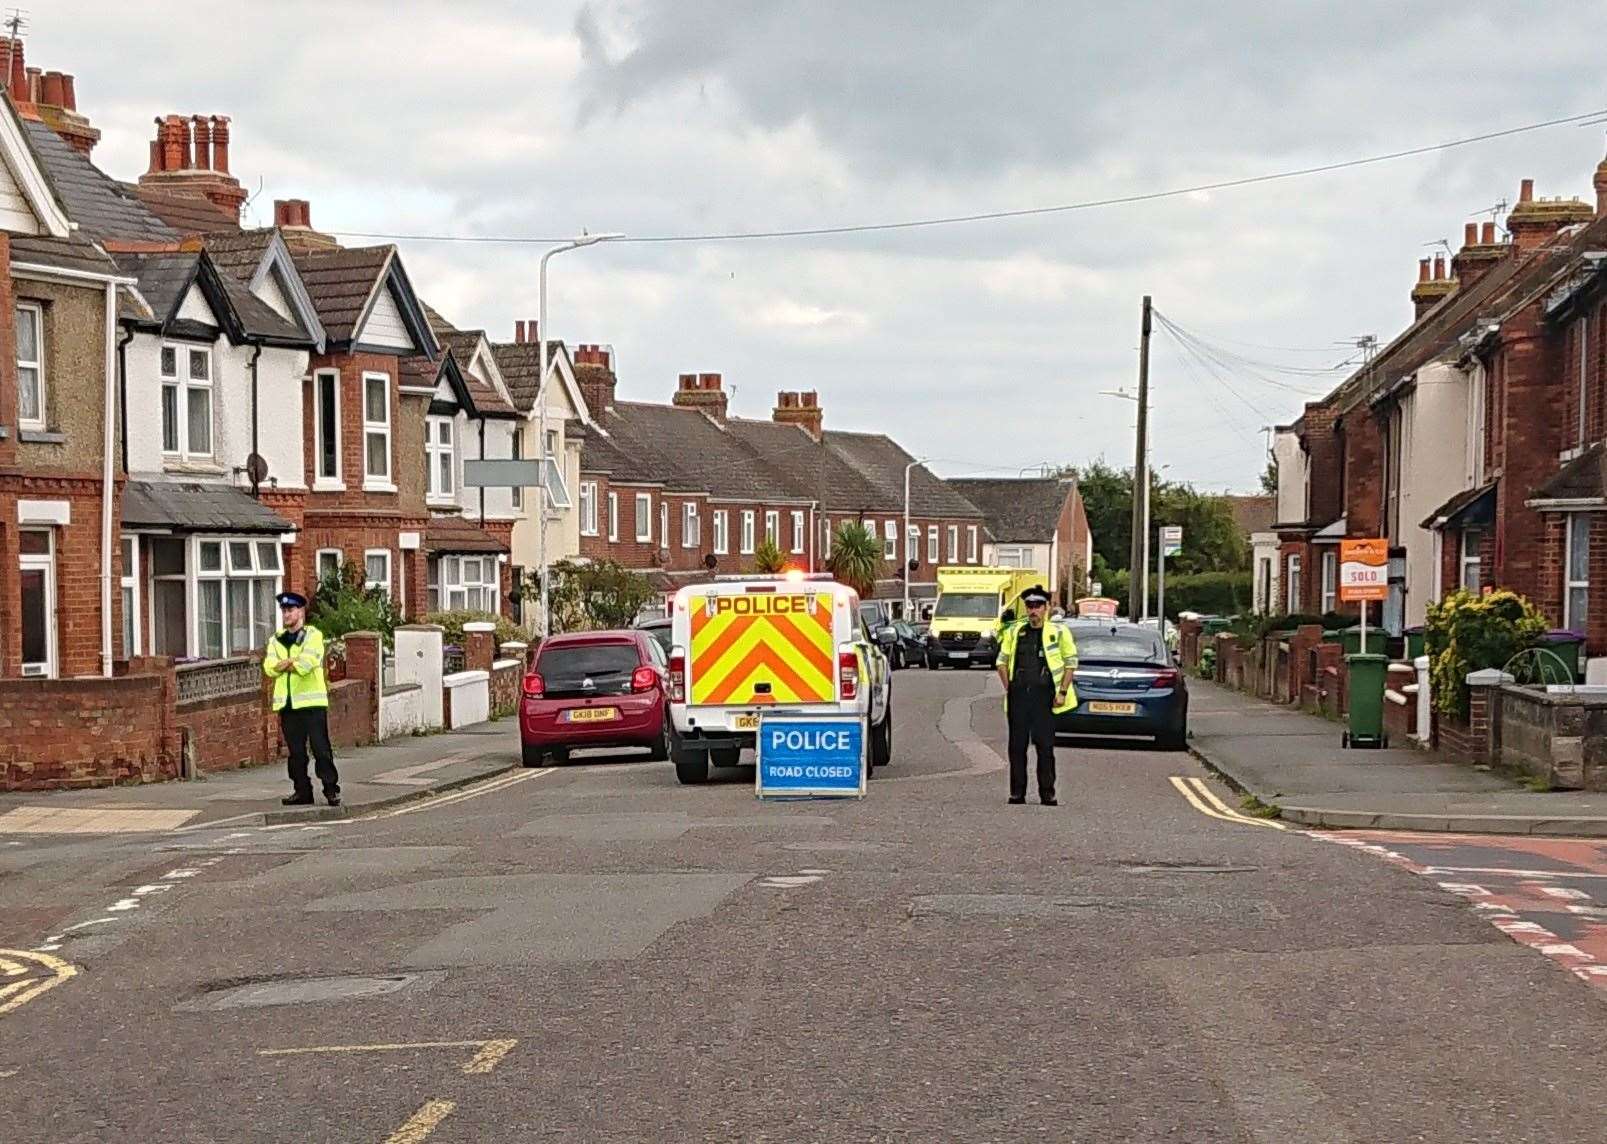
(1367, 674)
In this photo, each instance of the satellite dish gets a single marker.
(711, 562)
(256, 468)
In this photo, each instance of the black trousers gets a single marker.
(303, 728)
(1031, 711)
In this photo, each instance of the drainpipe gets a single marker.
(108, 484)
(482, 487)
(122, 391)
(255, 451)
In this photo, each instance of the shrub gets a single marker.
(768, 558)
(1468, 633)
(453, 623)
(596, 595)
(343, 604)
(1213, 593)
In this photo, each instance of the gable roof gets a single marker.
(520, 365)
(343, 284)
(253, 257)
(165, 281)
(102, 207)
(1018, 510)
(28, 173)
(489, 399)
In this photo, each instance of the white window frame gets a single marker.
(772, 527)
(434, 451)
(452, 588)
(613, 516)
(556, 493)
(747, 531)
(37, 313)
(386, 481)
(369, 582)
(1470, 556)
(722, 532)
(1330, 581)
(890, 540)
(663, 523)
(318, 561)
(912, 542)
(588, 508)
(1569, 584)
(131, 597)
(45, 563)
(825, 537)
(182, 383)
(225, 574)
(691, 526)
(644, 518)
(954, 544)
(931, 545)
(1291, 584)
(333, 482)
(797, 532)
(970, 544)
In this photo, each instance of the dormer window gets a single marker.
(187, 402)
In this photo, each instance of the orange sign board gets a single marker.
(1364, 569)
(1099, 606)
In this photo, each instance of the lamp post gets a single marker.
(541, 406)
(906, 577)
(1141, 494)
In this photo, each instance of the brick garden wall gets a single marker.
(87, 732)
(231, 731)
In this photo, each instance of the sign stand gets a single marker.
(809, 756)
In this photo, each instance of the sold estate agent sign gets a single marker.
(803, 757)
(1364, 569)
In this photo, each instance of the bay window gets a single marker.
(186, 401)
(236, 581)
(377, 431)
(29, 317)
(463, 583)
(440, 466)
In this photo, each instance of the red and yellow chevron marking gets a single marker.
(784, 640)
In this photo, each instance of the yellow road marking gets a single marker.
(496, 783)
(18, 993)
(422, 1123)
(1204, 800)
(489, 1057)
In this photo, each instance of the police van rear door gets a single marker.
(761, 644)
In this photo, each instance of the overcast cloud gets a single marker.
(984, 345)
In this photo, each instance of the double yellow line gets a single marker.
(1204, 800)
(496, 783)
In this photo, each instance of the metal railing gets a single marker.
(217, 678)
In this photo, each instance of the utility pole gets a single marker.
(1138, 578)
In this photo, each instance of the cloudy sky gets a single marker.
(985, 345)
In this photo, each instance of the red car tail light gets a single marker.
(644, 679)
(1165, 679)
(678, 676)
(535, 686)
(848, 674)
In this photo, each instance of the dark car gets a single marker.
(911, 643)
(1127, 684)
(595, 689)
(660, 630)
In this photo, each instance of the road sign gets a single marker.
(1171, 539)
(518, 473)
(804, 756)
(1364, 569)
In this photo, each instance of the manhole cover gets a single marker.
(1183, 868)
(308, 990)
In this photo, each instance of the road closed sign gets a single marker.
(1363, 569)
(803, 757)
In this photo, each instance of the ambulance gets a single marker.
(971, 603)
(744, 645)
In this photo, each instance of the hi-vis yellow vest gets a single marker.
(303, 684)
(1059, 652)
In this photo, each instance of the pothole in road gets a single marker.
(1183, 868)
(1006, 905)
(847, 847)
(307, 990)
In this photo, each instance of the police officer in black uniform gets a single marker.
(1036, 659)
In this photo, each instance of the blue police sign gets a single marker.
(800, 756)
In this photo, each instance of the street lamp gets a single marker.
(1140, 488)
(906, 577)
(541, 405)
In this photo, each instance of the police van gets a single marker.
(744, 645)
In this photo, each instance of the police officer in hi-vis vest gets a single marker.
(294, 660)
(1036, 659)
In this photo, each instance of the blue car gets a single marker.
(1127, 684)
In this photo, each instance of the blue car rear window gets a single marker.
(1135, 646)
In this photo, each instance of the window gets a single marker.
(722, 532)
(169, 614)
(747, 532)
(186, 402)
(557, 487)
(912, 542)
(890, 540)
(131, 596)
(613, 516)
(439, 463)
(1330, 580)
(588, 509)
(825, 537)
(377, 570)
(954, 544)
(38, 561)
(326, 426)
(463, 582)
(644, 518)
(797, 531)
(1576, 596)
(931, 544)
(772, 527)
(1469, 560)
(519, 493)
(236, 581)
(376, 430)
(663, 523)
(970, 544)
(30, 366)
(329, 561)
(1291, 584)
(691, 526)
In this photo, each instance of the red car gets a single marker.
(595, 689)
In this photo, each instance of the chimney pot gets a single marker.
(810, 399)
(69, 93)
(284, 212)
(156, 157)
(202, 129)
(688, 381)
(304, 213)
(1487, 235)
(1422, 270)
(1470, 234)
(519, 332)
(220, 144)
(50, 90)
(1439, 268)
(1526, 191)
(32, 77)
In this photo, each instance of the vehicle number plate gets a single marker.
(1097, 707)
(746, 723)
(591, 714)
(959, 655)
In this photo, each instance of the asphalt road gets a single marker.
(596, 953)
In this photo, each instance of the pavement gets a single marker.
(595, 952)
(1294, 761)
(385, 774)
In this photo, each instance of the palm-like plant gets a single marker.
(768, 557)
(856, 558)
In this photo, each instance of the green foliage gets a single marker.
(596, 595)
(768, 557)
(1468, 633)
(1213, 593)
(1269, 478)
(343, 604)
(1288, 622)
(453, 622)
(1212, 541)
(856, 558)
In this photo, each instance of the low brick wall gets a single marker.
(1560, 737)
(231, 731)
(507, 675)
(57, 733)
(351, 713)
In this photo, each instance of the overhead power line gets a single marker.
(993, 216)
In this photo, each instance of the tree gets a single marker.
(1212, 541)
(1269, 478)
(1107, 496)
(768, 557)
(596, 595)
(856, 558)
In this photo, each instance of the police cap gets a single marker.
(1035, 596)
(292, 600)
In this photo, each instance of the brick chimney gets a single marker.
(191, 156)
(594, 373)
(1600, 183)
(1479, 252)
(702, 391)
(293, 217)
(1432, 285)
(800, 409)
(1535, 222)
(49, 97)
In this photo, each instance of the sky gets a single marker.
(986, 346)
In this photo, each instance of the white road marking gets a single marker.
(1565, 892)
(1432, 870)
(124, 904)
